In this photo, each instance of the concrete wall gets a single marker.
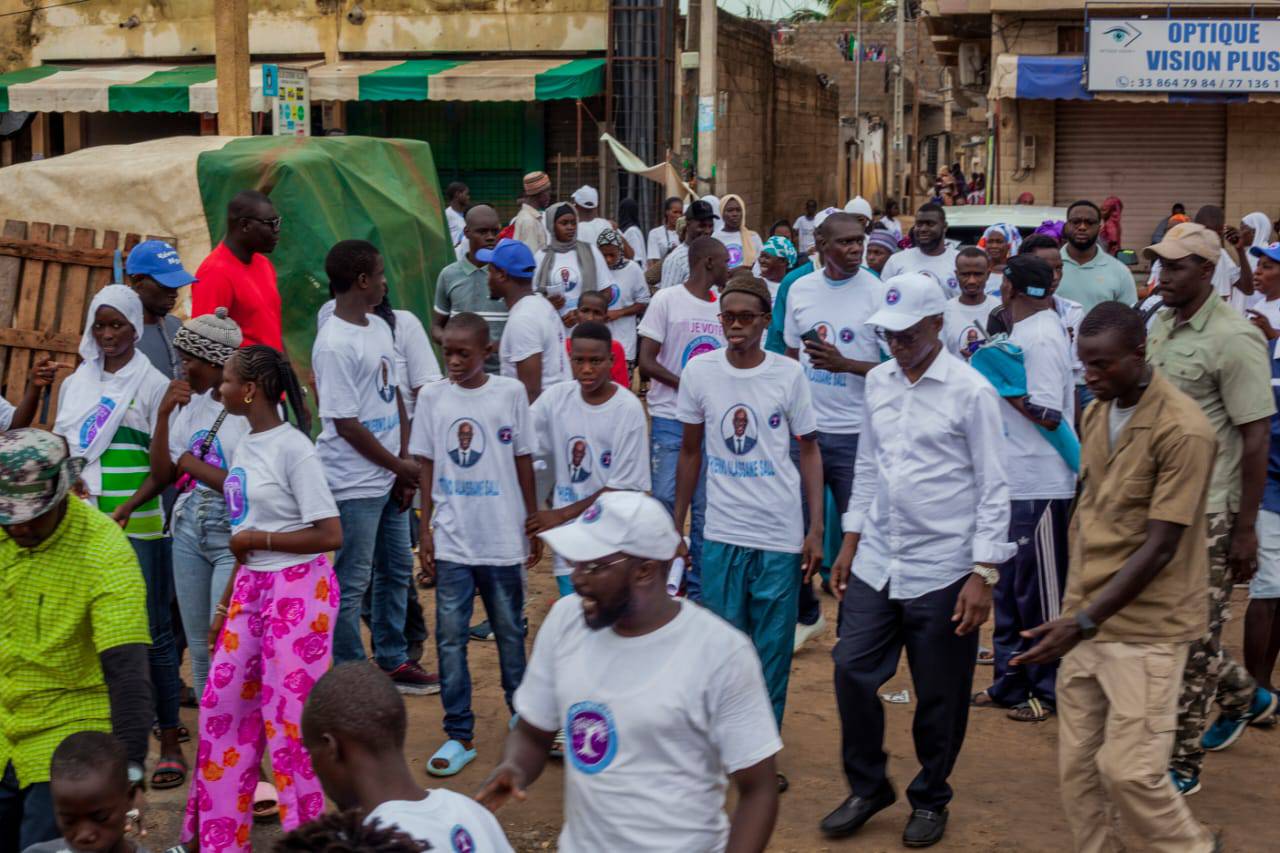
(807, 153)
(814, 44)
(1253, 172)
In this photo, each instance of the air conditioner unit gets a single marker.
(1027, 151)
(971, 64)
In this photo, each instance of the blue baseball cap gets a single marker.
(510, 256)
(159, 260)
(1272, 252)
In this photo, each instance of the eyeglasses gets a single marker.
(592, 567)
(905, 339)
(273, 224)
(743, 318)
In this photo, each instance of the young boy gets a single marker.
(592, 431)
(627, 293)
(363, 446)
(595, 309)
(155, 273)
(92, 796)
(354, 728)
(964, 322)
(741, 407)
(471, 437)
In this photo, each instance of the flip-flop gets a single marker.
(986, 656)
(168, 766)
(982, 699)
(266, 804)
(184, 736)
(457, 756)
(1030, 711)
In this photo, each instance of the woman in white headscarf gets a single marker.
(1255, 229)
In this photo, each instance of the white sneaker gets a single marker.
(805, 633)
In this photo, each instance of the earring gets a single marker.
(248, 398)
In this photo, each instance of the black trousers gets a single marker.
(874, 630)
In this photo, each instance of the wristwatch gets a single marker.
(137, 776)
(1088, 628)
(990, 574)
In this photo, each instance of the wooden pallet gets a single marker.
(48, 276)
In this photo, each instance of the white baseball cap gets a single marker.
(908, 299)
(630, 523)
(586, 197)
(821, 216)
(858, 206)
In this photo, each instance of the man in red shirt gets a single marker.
(238, 275)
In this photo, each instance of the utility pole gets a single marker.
(231, 45)
(916, 95)
(898, 107)
(707, 32)
(857, 103)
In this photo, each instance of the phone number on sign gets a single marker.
(1206, 83)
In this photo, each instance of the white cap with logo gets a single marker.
(586, 197)
(630, 523)
(908, 299)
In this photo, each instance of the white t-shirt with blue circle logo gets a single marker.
(748, 419)
(189, 428)
(276, 484)
(473, 436)
(942, 267)
(449, 822)
(653, 727)
(685, 327)
(625, 287)
(838, 312)
(355, 368)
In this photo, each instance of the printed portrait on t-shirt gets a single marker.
(466, 442)
(970, 340)
(579, 459)
(386, 388)
(825, 333)
(569, 278)
(738, 427)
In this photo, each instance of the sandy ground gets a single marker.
(1006, 780)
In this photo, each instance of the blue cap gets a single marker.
(510, 256)
(1272, 252)
(159, 260)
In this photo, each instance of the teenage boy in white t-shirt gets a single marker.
(682, 322)
(593, 434)
(624, 284)
(661, 700)
(1041, 486)
(472, 439)
(353, 727)
(964, 322)
(363, 446)
(532, 347)
(740, 408)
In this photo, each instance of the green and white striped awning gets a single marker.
(150, 87)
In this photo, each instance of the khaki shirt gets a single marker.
(1158, 471)
(1220, 360)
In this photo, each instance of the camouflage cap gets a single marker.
(36, 471)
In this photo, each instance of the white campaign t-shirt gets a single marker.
(591, 447)
(277, 484)
(1036, 470)
(625, 287)
(446, 820)
(653, 727)
(748, 418)
(566, 272)
(805, 228)
(457, 222)
(1071, 313)
(7, 411)
(189, 428)
(589, 231)
(473, 436)
(534, 328)
(416, 363)
(994, 282)
(661, 241)
(733, 242)
(355, 369)
(838, 311)
(942, 267)
(684, 327)
(1269, 308)
(964, 327)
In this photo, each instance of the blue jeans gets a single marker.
(26, 814)
(202, 567)
(839, 453)
(373, 531)
(156, 558)
(664, 452)
(502, 592)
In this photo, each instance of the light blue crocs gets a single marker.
(457, 756)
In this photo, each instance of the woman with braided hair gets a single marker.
(274, 625)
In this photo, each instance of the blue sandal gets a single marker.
(453, 752)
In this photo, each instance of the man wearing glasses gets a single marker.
(661, 701)
(238, 275)
(927, 524)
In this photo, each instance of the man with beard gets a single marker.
(930, 253)
(1090, 275)
(662, 701)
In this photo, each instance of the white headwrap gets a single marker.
(1261, 225)
(116, 296)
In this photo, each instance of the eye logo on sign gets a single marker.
(1122, 35)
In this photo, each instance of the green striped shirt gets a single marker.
(125, 464)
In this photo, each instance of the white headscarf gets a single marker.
(116, 296)
(1261, 225)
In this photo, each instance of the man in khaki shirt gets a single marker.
(1135, 597)
(1220, 360)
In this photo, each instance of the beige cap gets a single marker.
(1183, 239)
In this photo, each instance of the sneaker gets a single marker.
(1186, 785)
(411, 678)
(805, 633)
(1227, 730)
(481, 631)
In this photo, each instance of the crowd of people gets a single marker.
(933, 433)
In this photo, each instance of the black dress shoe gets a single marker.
(855, 811)
(925, 828)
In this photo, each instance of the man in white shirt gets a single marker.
(930, 254)
(964, 322)
(532, 347)
(529, 227)
(926, 526)
(662, 701)
(458, 198)
(700, 221)
(890, 219)
(1041, 485)
(586, 202)
(805, 226)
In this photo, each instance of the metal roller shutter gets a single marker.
(1147, 155)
